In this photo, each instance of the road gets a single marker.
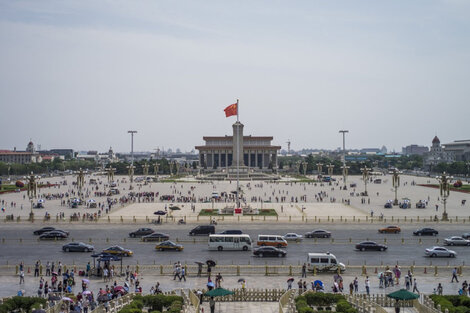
(30, 249)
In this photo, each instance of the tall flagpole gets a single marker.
(238, 156)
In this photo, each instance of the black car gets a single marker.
(269, 251)
(55, 234)
(371, 246)
(426, 232)
(156, 237)
(232, 232)
(319, 233)
(141, 232)
(159, 212)
(202, 230)
(77, 247)
(388, 205)
(43, 230)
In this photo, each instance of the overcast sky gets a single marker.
(79, 74)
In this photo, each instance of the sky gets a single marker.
(79, 74)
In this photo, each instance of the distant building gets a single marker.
(21, 157)
(414, 150)
(460, 149)
(437, 154)
(370, 150)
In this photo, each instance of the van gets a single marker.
(202, 230)
(324, 262)
(271, 240)
(231, 232)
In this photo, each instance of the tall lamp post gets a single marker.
(32, 191)
(444, 183)
(304, 167)
(396, 184)
(345, 175)
(80, 182)
(330, 171)
(155, 169)
(365, 176)
(110, 173)
(320, 169)
(345, 171)
(131, 167)
(145, 169)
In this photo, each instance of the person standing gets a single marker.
(212, 304)
(367, 283)
(439, 289)
(454, 275)
(183, 274)
(356, 285)
(21, 277)
(304, 271)
(48, 268)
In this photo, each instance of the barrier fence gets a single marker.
(243, 219)
(247, 269)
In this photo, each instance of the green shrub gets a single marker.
(155, 312)
(305, 309)
(24, 303)
(342, 306)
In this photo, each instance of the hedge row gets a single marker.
(304, 303)
(154, 303)
(455, 304)
(26, 304)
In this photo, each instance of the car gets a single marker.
(117, 250)
(43, 230)
(319, 233)
(168, 245)
(202, 230)
(159, 212)
(426, 232)
(390, 230)
(371, 246)
(466, 235)
(156, 237)
(141, 232)
(388, 205)
(440, 252)
(231, 232)
(77, 247)
(269, 251)
(292, 236)
(54, 234)
(456, 241)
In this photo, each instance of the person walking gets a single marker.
(304, 271)
(183, 274)
(415, 286)
(367, 283)
(454, 275)
(21, 277)
(212, 304)
(356, 285)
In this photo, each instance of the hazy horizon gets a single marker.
(80, 74)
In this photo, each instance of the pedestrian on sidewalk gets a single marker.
(304, 271)
(356, 285)
(367, 283)
(439, 289)
(183, 274)
(21, 277)
(415, 286)
(454, 275)
(212, 304)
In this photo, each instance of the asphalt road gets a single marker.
(30, 249)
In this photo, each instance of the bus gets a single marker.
(229, 242)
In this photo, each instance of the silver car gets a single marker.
(440, 252)
(292, 236)
(456, 241)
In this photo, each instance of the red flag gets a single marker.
(231, 110)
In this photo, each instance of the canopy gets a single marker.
(318, 282)
(403, 294)
(91, 201)
(218, 292)
(41, 201)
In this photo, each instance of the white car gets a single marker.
(292, 236)
(456, 241)
(440, 252)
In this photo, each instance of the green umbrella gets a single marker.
(218, 292)
(403, 294)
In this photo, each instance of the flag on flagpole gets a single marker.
(231, 110)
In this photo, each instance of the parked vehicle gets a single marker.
(77, 247)
(319, 233)
(426, 232)
(202, 230)
(370, 246)
(440, 252)
(390, 230)
(141, 232)
(324, 262)
(269, 252)
(292, 237)
(271, 240)
(456, 241)
(169, 245)
(156, 237)
(222, 242)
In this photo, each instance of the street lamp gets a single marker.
(131, 167)
(345, 170)
(145, 169)
(155, 169)
(304, 167)
(80, 182)
(365, 176)
(345, 174)
(110, 173)
(32, 191)
(396, 184)
(444, 183)
(330, 171)
(319, 168)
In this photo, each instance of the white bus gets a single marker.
(229, 242)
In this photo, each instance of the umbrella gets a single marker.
(210, 284)
(318, 283)
(290, 279)
(210, 263)
(174, 208)
(218, 292)
(119, 288)
(66, 299)
(41, 201)
(241, 280)
(86, 292)
(403, 294)
(55, 273)
(86, 281)
(91, 201)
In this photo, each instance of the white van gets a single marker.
(271, 240)
(324, 262)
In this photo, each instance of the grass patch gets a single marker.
(464, 188)
(215, 212)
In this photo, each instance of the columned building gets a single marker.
(255, 152)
